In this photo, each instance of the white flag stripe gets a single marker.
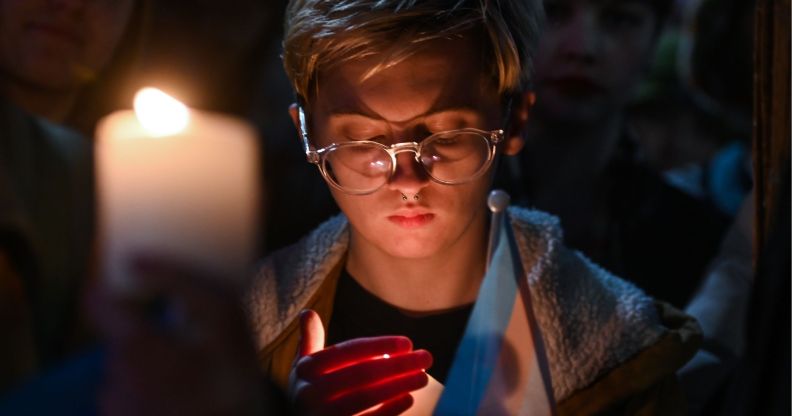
(496, 370)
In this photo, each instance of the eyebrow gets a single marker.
(437, 109)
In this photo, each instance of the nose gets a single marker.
(580, 38)
(410, 177)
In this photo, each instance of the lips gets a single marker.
(576, 85)
(411, 220)
(65, 33)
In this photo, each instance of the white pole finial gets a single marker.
(497, 201)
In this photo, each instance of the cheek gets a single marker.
(543, 63)
(18, 10)
(630, 58)
(13, 16)
(359, 209)
(106, 27)
(17, 53)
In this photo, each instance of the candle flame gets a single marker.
(159, 113)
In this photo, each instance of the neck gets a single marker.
(442, 281)
(53, 105)
(564, 170)
(560, 155)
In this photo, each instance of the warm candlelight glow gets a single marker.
(159, 113)
(179, 182)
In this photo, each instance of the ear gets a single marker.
(294, 114)
(521, 108)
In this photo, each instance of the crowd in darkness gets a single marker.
(636, 124)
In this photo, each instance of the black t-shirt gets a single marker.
(359, 313)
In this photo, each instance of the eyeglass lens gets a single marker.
(451, 157)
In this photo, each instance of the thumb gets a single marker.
(312, 334)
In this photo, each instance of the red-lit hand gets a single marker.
(355, 375)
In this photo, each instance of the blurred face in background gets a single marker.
(59, 45)
(591, 56)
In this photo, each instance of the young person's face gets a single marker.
(591, 56)
(59, 44)
(440, 88)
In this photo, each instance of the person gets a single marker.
(45, 223)
(52, 56)
(406, 107)
(718, 86)
(69, 61)
(61, 64)
(583, 163)
(721, 307)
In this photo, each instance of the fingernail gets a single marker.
(303, 321)
(405, 343)
(304, 315)
(426, 358)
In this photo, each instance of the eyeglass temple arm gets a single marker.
(497, 136)
(310, 152)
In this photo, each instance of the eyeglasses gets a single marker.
(362, 167)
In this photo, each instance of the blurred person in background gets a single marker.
(69, 61)
(583, 163)
(49, 175)
(57, 60)
(719, 84)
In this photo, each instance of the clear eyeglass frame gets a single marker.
(318, 157)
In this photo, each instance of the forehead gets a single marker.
(443, 73)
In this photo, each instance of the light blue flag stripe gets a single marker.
(477, 354)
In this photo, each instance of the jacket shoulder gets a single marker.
(591, 321)
(646, 383)
(286, 279)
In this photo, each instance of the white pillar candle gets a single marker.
(177, 183)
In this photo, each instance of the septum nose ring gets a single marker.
(415, 197)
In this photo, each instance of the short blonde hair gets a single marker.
(320, 34)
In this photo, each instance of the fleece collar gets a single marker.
(590, 320)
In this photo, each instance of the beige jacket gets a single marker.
(610, 347)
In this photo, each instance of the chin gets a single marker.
(54, 81)
(51, 70)
(575, 112)
(411, 246)
(410, 251)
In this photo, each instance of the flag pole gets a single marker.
(497, 202)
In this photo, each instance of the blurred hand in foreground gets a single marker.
(182, 348)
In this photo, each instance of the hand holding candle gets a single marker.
(373, 374)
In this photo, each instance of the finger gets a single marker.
(168, 275)
(159, 274)
(372, 372)
(349, 352)
(312, 335)
(191, 297)
(364, 398)
(392, 407)
(115, 401)
(116, 318)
